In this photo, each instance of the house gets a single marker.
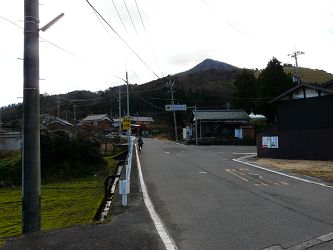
(304, 129)
(141, 125)
(225, 124)
(97, 121)
(10, 140)
(54, 123)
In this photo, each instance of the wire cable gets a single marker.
(121, 20)
(151, 47)
(129, 14)
(122, 39)
(58, 47)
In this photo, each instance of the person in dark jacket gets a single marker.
(140, 143)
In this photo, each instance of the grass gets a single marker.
(319, 169)
(64, 203)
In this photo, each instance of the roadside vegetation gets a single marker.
(73, 173)
(318, 169)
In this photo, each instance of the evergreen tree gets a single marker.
(272, 82)
(246, 90)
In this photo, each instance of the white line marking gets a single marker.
(166, 238)
(202, 172)
(277, 172)
(167, 152)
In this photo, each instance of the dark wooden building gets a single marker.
(304, 129)
(226, 124)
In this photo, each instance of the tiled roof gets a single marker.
(96, 117)
(221, 115)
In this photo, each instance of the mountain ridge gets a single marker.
(206, 65)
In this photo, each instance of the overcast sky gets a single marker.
(178, 34)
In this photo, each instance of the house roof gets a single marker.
(101, 117)
(2, 131)
(222, 115)
(60, 121)
(302, 85)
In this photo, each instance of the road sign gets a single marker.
(126, 123)
(176, 107)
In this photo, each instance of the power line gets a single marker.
(153, 105)
(121, 20)
(151, 47)
(229, 23)
(122, 39)
(129, 14)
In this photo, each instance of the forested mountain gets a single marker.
(210, 84)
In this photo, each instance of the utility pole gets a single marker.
(0, 119)
(74, 106)
(196, 125)
(128, 115)
(171, 84)
(119, 100)
(294, 55)
(31, 219)
(58, 106)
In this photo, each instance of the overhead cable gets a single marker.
(122, 39)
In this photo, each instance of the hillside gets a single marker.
(210, 84)
(311, 75)
(307, 75)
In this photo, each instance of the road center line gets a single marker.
(239, 160)
(166, 238)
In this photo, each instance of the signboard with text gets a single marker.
(176, 107)
(126, 123)
(270, 142)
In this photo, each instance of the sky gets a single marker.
(80, 52)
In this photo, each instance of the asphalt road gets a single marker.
(208, 201)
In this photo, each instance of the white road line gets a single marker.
(307, 244)
(239, 160)
(166, 238)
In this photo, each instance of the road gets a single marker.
(208, 201)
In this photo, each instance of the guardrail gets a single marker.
(124, 185)
(110, 185)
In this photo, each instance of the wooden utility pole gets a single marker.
(31, 218)
(171, 84)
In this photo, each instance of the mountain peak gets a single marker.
(209, 64)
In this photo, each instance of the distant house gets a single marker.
(10, 140)
(225, 124)
(141, 125)
(304, 129)
(97, 121)
(54, 123)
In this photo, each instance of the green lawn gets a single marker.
(64, 204)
